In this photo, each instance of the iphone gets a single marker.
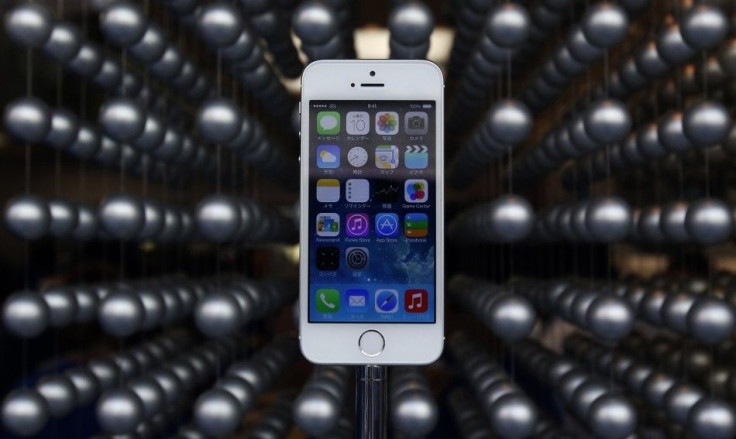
(372, 217)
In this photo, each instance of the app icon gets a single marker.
(387, 123)
(328, 258)
(356, 224)
(356, 300)
(328, 224)
(357, 122)
(356, 190)
(328, 156)
(416, 157)
(356, 257)
(416, 301)
(328, 122)
(387, 224)
(387, 157)
(387, 301)
(328, 300)
(416, 122)
(386, 191)
(416, 225)
(416, 191)
(357, 156)
(328, 190)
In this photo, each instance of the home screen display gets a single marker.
(372, 211)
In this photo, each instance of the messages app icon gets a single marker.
(328, 122)
(328, 156)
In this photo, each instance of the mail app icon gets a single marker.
(357, 300)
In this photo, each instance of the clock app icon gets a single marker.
(357, 156)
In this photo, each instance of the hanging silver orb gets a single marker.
(648, 61)
(59, 393)
(241, 390)
(122, 215)
(671, 132)
(513, 415)
(712, 418)
(708, 221)
(169, 64)
(711, 320)
(315, 23)
(63, 217)
(218, 120)
(87, 62)
(62, 305)
(675, 310)
(511, 317)
(151, 46)
(612, 417)
(123, 23)
(121, 313)
(63, 43)
(577, 53)
(672, 222)
(707, 123)
(656, 387)
(87, 302)
(608, 121)
(680, 399)
(27, 216)
(217, 413)
(610, 318)
(28, 119)
(64, 129)
(153, 134)
(26, 314)
(510, 218)
(153, 220)
(648, 144)
(219, 24)
(218, 218)
(316, 411)
(704, 26)
(508, 25)
(608, 219)
(508, 122)
(122, 119)
(87, 144)
(153, 307)
(24, 412)
(411, 23)
(85, 383)
(672, 47)
(119, 411)
(29, 25)
(87, 225)
(106, 372)
(605, 24)
(218, 314)
(151, 394)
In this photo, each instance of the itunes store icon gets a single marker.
(356, 224)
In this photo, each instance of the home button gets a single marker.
(371, 343)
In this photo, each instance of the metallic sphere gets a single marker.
(675, 310)
(610, 317)
(415, 412)
(24, 412)
(672, 47)
(608, 219)
(217, 413)
(508, 25)
(648, 61)
(106, 372)
(708, 221)
(219, 120)
(218, 218)
(612, 417)
(64, 129)
(508, 122)
(59, 393)
(150, 393)
(220, 24)
(87, 302)
(26, 314)
(29, 25)
(707, 123)
(151, 47)
(123, 23)
(585, 396)
(153, 220)
(317, 412)
(172, 385)
(315, 23)
(605, 24)
(711, 320)
(672, 222)
(647, 142)
(511, 317)
(240, 389)
(218, 314)
(153, 134)
(577, 53)
(28, 216)
(85, 383)
(510, 218)
(63, 217)
(656, 387)
(87, 62)
(411, 23)
(513, 415)
(87, 144)
(712, 418)
(63, 43)
(122, 119)
(87, 224)
(121, 313)
(62, 305)
(704, 26)
(122, 215)
(608, 121)
(119, 411)
(28, 119)
(169, 64)
(680, 399)
(153, 307)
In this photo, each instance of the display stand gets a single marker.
(371, 395)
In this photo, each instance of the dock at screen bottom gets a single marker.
(371, 304)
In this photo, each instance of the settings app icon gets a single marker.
(356, 257)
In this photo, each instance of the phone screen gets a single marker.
(372, 222)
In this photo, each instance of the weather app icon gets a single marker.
(328, 156)
(387, 224)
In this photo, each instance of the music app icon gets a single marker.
(416, 301)
(356, 224)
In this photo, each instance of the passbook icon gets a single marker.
(357, 300)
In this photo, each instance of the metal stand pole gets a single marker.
(372, 403)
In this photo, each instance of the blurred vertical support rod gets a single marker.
(372, 402)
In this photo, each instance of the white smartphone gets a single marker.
(372, 212)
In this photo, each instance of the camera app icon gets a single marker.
(416, 122)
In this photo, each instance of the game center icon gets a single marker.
(416, 191)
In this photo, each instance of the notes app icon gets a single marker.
(387, 157)
(416, 301)
(328, 190)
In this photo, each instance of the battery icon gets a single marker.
(427, 106)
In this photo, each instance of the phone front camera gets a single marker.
(352, 84)
(416, 122)
(373, 73)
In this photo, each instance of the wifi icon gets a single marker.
(416, 157)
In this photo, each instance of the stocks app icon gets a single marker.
(386, 191)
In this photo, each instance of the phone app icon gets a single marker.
(416, 301)
(387, 157)
(387, 301)
(416, 157)
(356, 224)
(387, 123)
(357, 123)
(328, 224)
(357, 156)
(327, 300)
(387, 224)
(416, 122)
(328, 156)
(328, 190)
(356, 300)
(357, 190)
(416, 191)
(416, 225)
(328, 258)
(356, 257)
(386, 191)
(328, 123)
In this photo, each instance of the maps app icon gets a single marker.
(416, 157)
